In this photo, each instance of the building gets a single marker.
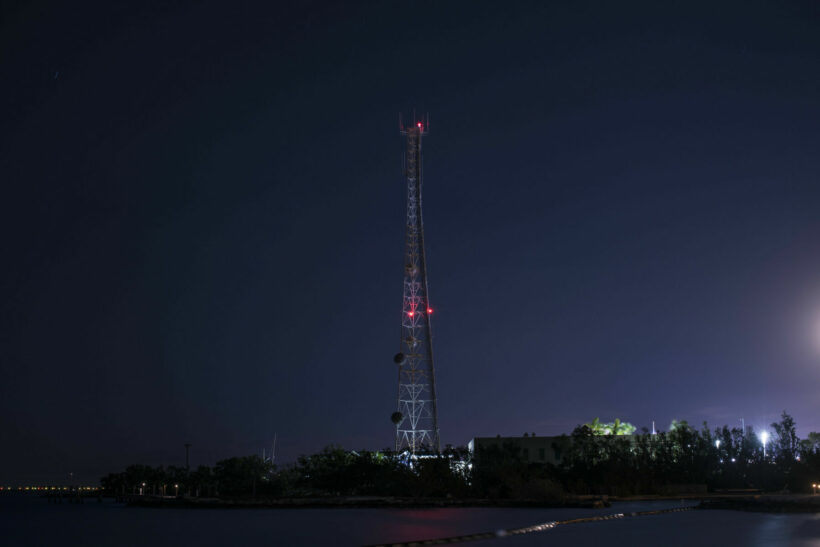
(532, 448)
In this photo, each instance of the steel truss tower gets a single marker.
(416, 418)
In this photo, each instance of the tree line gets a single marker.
(332, 472)
(597, 459)
(723, 458)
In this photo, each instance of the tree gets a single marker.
(596, 427)
(681, 425)
(621, 428)
(617, 427)
(202, 481)
(242, 475)
(785, 445)
(810, 446)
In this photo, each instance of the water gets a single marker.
(29, 520)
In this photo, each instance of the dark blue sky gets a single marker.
(202, 221)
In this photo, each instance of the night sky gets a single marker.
(203, 212)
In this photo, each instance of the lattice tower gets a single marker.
(416, 418)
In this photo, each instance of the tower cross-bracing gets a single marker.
(416, 418)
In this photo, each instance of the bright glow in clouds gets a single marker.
(814, 329)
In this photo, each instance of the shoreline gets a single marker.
(353, 502)
(765, 503)
(768, 503)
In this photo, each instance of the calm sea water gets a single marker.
(28, 520)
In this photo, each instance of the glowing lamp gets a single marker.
(410, 314)
(429, 310)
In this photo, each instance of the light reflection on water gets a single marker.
(31, 521)
(783, 530)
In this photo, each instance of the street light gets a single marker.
(176, 490)
(764, 436)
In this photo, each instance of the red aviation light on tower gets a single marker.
(429, 311)
(418, 126)
(410, 314)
